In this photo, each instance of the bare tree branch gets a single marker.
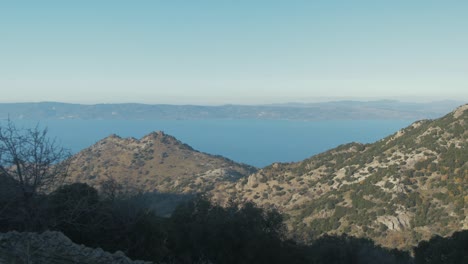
(31, 158)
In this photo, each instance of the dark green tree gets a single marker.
(440, 250)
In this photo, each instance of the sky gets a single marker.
(232, 51)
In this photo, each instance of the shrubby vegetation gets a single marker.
(196, 232)
(200, 232)
(452, 249)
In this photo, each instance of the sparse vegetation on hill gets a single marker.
(156, 162)
(398, 191)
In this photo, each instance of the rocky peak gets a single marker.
(114, 136)
(154, 135)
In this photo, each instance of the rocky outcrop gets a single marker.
(460, 111)
(53, 248)
(399, 222)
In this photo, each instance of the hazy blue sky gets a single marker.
(238, 51)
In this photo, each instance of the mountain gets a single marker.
(350, 110)
(156, 162)
(398, 191)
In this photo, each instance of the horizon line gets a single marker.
(318, 100)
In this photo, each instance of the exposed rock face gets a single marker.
(53, 248)
(254, 179)
(395, 223)
(460, 111)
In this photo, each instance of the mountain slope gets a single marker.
(397, 191)
(156, 162)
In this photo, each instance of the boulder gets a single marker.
(53, 248)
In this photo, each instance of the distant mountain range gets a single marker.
(397, 191)
(384, 109)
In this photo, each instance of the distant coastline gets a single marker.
(334, 110)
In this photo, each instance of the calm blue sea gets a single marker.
(254, 142)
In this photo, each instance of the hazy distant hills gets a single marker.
(384, 109)
(397, 191)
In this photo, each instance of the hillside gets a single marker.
(397, 191)
(156, 162)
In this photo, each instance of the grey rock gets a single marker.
(54, 248)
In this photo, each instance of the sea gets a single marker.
(254, 142)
